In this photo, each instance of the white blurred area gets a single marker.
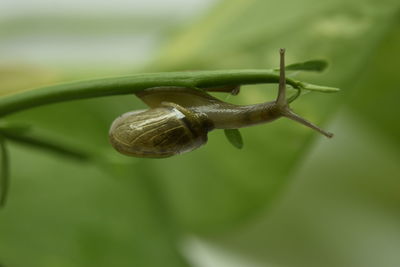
(179, 8)
(115, 34)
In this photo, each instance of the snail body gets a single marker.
(179, 119)
(222, 114)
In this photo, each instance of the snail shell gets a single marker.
(159, 132)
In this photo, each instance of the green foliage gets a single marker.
(133, 212)
(254, 30)
(234, 137)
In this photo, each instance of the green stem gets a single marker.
(42, 141)
(131, 84)
(4, 172)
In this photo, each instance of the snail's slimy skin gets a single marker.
(223, 115)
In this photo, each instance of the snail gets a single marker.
(180, 118)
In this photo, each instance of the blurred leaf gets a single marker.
(345, 195)
(377, 91)
(15, 128)
(249, 35)
(4, 172)
(234, 137)
(77, 214)
(319, 88)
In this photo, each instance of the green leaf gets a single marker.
(377, 92)
(4, 172)
(234, 137)
(319, 88)
(255, 30)
(311, 65)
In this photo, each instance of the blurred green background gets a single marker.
(289, 198)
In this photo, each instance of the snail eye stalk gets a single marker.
(282, 104)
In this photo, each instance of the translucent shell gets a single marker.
(159, 132)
